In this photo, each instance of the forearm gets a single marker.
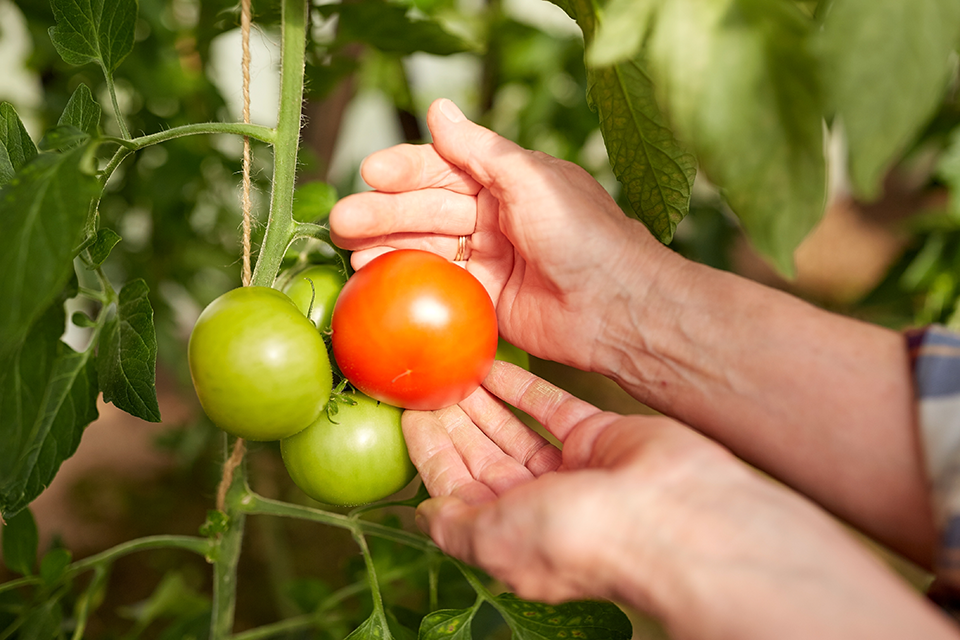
(820, 401)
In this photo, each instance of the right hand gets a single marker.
(553, 249)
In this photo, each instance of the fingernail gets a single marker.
(451, 111)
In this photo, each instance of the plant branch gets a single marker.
(253, 504)
(112, 88)
(255, 131)
(227, 557)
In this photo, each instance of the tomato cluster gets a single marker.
(409, 330)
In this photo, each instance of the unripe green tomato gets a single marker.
(357, 457)
(259, 367)
(327, 282)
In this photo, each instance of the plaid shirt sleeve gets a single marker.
(935, 356)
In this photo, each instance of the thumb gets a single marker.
(493, 161)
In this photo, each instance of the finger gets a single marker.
(483, 458)
(510, 434)
(449, 521)
(361, 216)
(441, 467)
(489, 158)
(364, 252)
(554, 408)
(409, 167)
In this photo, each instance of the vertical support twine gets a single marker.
(239, 449)
(245, 19)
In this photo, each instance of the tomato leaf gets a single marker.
(100, 250)
(313, 201)
(82, 112)
(62, 137)
(656, 171)
(48, 396)
(16, 147)
(42, 213)
(94, 31)
(885, 97)
(128, 355)
(54, 565)
(453, 624)
(20, 542)
(581, 619)
(389, 28)
(741, 85)
(372, 628)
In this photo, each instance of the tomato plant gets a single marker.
(259, 367)
(314, 290)
(414, 330)
(353, 457)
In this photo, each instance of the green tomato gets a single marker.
(258, 365)
(358, 456)
(327, 281)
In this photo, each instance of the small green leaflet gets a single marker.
(656, 171)
(371, 629)
(128, 355)
(584, 620)
(20, 542)
(42, 214)
(94, 31)
(16, 147)
(447, 624)
(887, 66)
(82, 112)
(48, 396)
(101, 247)
(313, 201)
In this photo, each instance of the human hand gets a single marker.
(643, 511)
(552, 248)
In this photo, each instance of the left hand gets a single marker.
(645, 511)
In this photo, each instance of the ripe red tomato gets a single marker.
(414, 330)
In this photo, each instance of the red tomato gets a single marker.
(414, 330)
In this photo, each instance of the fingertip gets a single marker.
(393, 169)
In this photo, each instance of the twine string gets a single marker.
(239, 448)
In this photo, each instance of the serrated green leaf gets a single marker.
(128, 355)
(740, 84)
(452, 624)
(54, 565)
(20, 542)
(82, 112)
(94, 31)
(48, 395)
(313, 201)
(389, 28)
(586, 620)
(100, 250)
(62, 137)
(16, 147)
(887, 65)
(656, 171)
(42, 213)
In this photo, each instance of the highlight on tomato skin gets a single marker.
(414, 330)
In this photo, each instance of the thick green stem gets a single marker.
(111, 87)
(280, 224)
(228, 556)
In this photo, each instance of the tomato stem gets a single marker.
(280, 223)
